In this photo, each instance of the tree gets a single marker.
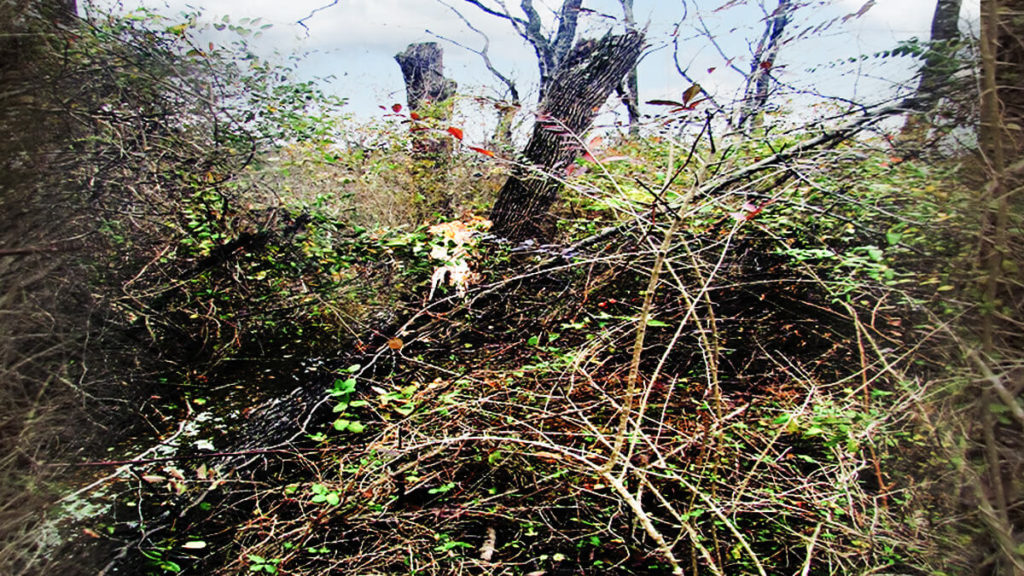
(939, 64)
(629, 90)
(759, 79)
(576, 79)
(575, 91)
(423, 69)
(427, 92)
(430, 98)
(551, 51)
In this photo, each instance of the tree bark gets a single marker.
(630, 90)
(939, 64)
(576, 91)
(423, 70)
(759, 81)
(429, 95)
(1009, 73)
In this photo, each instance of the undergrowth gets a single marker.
(314, 370)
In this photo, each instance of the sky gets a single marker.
(354, 43)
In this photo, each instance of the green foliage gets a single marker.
(261, 564)
(773, 400)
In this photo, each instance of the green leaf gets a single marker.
(341, 424)
(333, 499)
(356, 427)
(533, 341)
(656, 323)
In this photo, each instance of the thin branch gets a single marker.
(302, 21)
(482, 53)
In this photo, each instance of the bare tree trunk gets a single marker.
(630, 91)
(939, 64)
(584, 81)
(423, 69)
(759, 81)
(429, 95)
(998, 494)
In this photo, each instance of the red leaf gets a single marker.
(419, 128)
(455, 132)
(666, 103)
(767, 64)
(595, 142)
(415, 116)
(396, 108)
(483, 151)
(589, 157)
(693, 105)
(712, 69)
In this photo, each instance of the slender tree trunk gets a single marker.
(1002, 110)
(759, 81)
(576, 91)
(630, 92)
(939, 64)
(1009, 73)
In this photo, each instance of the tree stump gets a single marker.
(429, 94)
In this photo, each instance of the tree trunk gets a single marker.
(576, 91)
(1009, 73)
(759, 81)
(423, 69)
(631, 98)
(630, 91)
(939, 64)
(429, 95)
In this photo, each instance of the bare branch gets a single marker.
(302, 21)
(505, 15)
(535, 36)
(567, 21)
(482, 53)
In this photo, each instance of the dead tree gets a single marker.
(629, 90)
(551, 52)
(939, 63)
(430, 97)
(759, 80)
(423, 69)
(428, 93)
(574, 93)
